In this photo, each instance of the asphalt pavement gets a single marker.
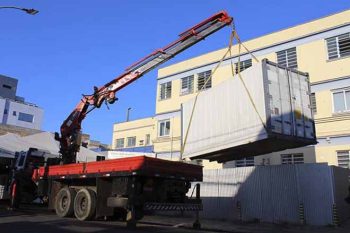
(36, 219)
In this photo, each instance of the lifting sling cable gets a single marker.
(233, 35)
(241, 78)
(202, 88)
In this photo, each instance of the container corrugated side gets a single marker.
(224, 117)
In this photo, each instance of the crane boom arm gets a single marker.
(70, 138)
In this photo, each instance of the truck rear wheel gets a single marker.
(85, 204)
(64, 204)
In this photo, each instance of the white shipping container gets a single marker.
(226, 126)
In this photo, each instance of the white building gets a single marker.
(14, 110)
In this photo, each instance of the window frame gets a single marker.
(205, 77)
(188, 91)
(348, 159)
(287, 56)
(148, 139)
(245, 162)
(313, 103)
(343, 91)
(127, 141)
(116, 143)
(292, 158)
(7, 86)
(337, 47)
(243, 65)
(23, 114)
(167, 95)
(159, 128)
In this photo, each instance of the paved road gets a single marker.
(39, 220)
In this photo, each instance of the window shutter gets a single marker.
(332, 47)
(243, 65)
(202, 79)
(288, 58)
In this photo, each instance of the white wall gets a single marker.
(24, 108)
(2, 109)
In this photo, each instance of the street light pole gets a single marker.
(28, 11)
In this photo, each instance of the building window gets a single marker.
(187, 85)
(164, 128)
(338, 46)
(6, 111)
(343, 159)
(288, 58)
(292, 158)
(131, 141)
(25, 117)
(148, 139)
(341, 101)
(6, 86)
(243, 65)
(100, 158)
(204, 78)
(119, 143)
(14, 113)
(165, 90)
(313, 103)
(245, 162)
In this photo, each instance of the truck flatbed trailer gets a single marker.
(139, 165)
(126, 187)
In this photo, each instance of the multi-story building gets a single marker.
(14, 110)
(320, 47)
(134, 136)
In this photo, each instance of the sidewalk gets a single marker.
(226, 226)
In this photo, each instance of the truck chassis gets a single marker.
(126, 188)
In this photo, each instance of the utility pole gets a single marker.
(128, 114)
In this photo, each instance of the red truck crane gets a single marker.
(70, 139)
(129, 186)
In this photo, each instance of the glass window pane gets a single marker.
(167, 128)
(161, 130)
(339, 103)
(347, 98)
(120, 143)
(25, 117)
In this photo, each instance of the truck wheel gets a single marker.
(85, 204)
(64, 202)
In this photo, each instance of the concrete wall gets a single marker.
(8, 87)
(14, 109)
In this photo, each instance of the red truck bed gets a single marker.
(140, 165)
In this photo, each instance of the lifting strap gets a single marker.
(241, 78)
(233, 35)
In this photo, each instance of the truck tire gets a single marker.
(64, 204)
(85, 204)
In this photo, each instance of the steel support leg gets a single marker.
(197, 224)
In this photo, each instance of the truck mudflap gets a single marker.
(173, 206)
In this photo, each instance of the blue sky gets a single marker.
(70, 46)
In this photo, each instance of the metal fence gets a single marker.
(306, 193)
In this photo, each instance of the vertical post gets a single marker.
(128, 114)
(197, 224)
(131, 217)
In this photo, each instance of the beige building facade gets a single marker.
(320, 47)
